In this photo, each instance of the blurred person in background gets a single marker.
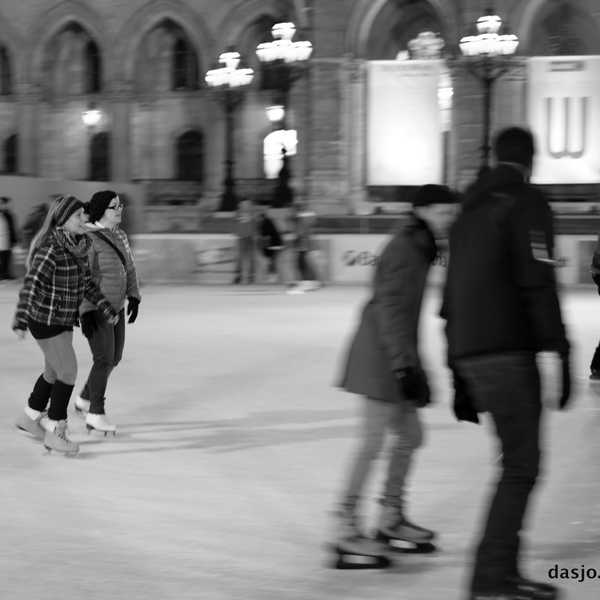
(303, 220)
(384, 366)
(595, 270)
(246, 242)
(33, 222)
(112, 269)
(56, 282)
(8, 238)
(271, 243)
(507, 346)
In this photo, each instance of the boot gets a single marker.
(33, 426)
(354, 550)
(94, 422)
(82, 406)
(399, 533)
(56, 438)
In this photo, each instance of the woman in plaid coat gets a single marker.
(57, 280)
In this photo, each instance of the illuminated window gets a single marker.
(273, 146)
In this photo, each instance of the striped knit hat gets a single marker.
(65, 208)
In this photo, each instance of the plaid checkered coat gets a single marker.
(55, 285)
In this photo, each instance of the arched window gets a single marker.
(190, 156)
(100, 157)
(185, 66)
(5, 75)
(11, 162)
(93, 68)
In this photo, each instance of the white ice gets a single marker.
(232, 447)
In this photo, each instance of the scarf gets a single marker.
(77, 245)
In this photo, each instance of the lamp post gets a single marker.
(486, 56)
(228, 81)
(91, 116)
(283, 61)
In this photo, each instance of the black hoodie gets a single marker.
(500, 294)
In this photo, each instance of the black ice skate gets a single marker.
(401, 535)
(352, 549)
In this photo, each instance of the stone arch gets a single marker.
(149, 16)
(532, 11)
(365, 13)
(14, 45)
(52, 22)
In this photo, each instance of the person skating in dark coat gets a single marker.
(507, 345)
(383, 365)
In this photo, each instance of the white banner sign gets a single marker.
(404, 123)
(564, 114)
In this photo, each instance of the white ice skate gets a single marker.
(56, 439)
(32, 426)
(354, 550)
(99, 423)
(82, 406)
(402, 535)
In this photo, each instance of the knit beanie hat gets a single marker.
(99, 203)
(434, 194)
(65, 208)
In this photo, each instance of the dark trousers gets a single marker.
(595, 364)
(106, 344)
(508, 387)
(305, 267)
(244, 269)
(5, 262)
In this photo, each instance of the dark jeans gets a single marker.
(106, 344)
(305, 267)
(5, 262)
(508, 387)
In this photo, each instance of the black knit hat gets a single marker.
(65, 208)
(99, 203)
(434, 194)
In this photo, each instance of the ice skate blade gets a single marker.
(348, 561)
(91, 428)
(405, 546)
(70, 454)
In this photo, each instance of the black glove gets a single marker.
(566, 381)
(412, 385)
(89, 324)
(462, 405)
(596, 279)
(132, 308)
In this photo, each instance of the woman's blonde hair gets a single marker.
(47, 227)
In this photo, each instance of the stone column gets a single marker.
(120, 98)
(29, 102)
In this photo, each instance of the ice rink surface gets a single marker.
(232, 448)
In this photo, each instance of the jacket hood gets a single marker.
(502, 176)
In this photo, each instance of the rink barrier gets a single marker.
(338, 258)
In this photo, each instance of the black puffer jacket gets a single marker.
(500, 293)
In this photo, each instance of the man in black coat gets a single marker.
(507, 344)
(384, 366)
(6, 255)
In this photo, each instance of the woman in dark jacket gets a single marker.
(384, 366)
(113, 270)
(57, 280)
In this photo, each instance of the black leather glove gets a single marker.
(463, 405)
(565, 396)
(132, 309)
(412, 385)
(89, 323)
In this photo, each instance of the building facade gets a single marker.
(142, 64)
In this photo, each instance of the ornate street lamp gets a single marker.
(284, 61)
(487, 57)
(228, 81)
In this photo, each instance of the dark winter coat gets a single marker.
(12, 230)
(500, 293)
(387, 336)
(55, 285)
